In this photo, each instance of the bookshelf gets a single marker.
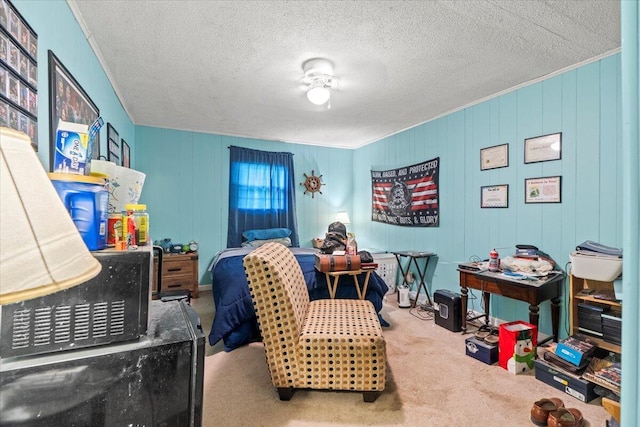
(577, 284)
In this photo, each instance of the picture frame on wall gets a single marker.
(543, 189)
(70, 103)
(113, 145)
(494, 157)
(543, 148)
(126, 154)
(494, 196)
(18, 73)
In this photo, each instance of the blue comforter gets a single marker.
(235, 320)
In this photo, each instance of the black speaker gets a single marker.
(449, 312)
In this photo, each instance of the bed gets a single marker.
(234, 320)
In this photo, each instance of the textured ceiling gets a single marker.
(235, 67)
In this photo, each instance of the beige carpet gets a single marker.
(431, 382)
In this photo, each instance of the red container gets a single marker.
(518, 342)
(114, 229)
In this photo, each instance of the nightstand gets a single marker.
(179, 272)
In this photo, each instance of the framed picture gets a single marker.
(113, 145)
(543, 148)
(494, 157)
(126, 155)
(68, 102)
(18, 72)
(543, 190)
(494, 196)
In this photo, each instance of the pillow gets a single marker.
(266, 234)
(255, 243)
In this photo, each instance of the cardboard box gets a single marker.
(482, 351)
(72, 151)
(572, 385)
(518, 342)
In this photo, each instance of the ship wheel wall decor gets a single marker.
(312, 184)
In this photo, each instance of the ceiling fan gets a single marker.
(319, 80)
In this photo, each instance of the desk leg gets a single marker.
(534, 315)
(421, 274)
(555, 317)
(366, 283)
(332, 285)
(355, 281)
(486, 297)
(463, 302)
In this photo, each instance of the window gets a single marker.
(261, 193)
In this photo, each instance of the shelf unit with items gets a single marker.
(597, 294)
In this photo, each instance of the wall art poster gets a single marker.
(407, 196)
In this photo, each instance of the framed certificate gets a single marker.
(543, 148)
(543, 190)
(494, 196)
(494, 157)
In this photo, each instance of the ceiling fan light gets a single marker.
(318, 95)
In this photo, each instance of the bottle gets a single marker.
(141, 219)
(494, 261)
(352, 245)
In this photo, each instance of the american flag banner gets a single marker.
(407, 196)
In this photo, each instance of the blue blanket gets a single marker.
(235, 320)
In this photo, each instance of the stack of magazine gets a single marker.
(605, 373)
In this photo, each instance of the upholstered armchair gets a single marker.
(322, 344)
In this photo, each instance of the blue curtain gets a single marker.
(261, 193)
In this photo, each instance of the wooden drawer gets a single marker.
(176, 267)
(179, 272)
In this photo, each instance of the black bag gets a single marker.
(365, 256)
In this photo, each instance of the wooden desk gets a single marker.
(533, 292)
(333, 284)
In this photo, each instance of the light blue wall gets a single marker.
(187, 186)
(58, 31)
(583, 104)
(187, 182)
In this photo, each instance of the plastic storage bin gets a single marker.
(87, 200)
(594, 267)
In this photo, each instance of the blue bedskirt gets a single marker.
(235, 320)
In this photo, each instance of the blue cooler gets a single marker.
(87, 200)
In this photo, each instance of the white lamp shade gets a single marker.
(318, 95)
(343, 217)
(41, 250)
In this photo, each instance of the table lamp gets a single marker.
(41, 250)
(343, 217)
